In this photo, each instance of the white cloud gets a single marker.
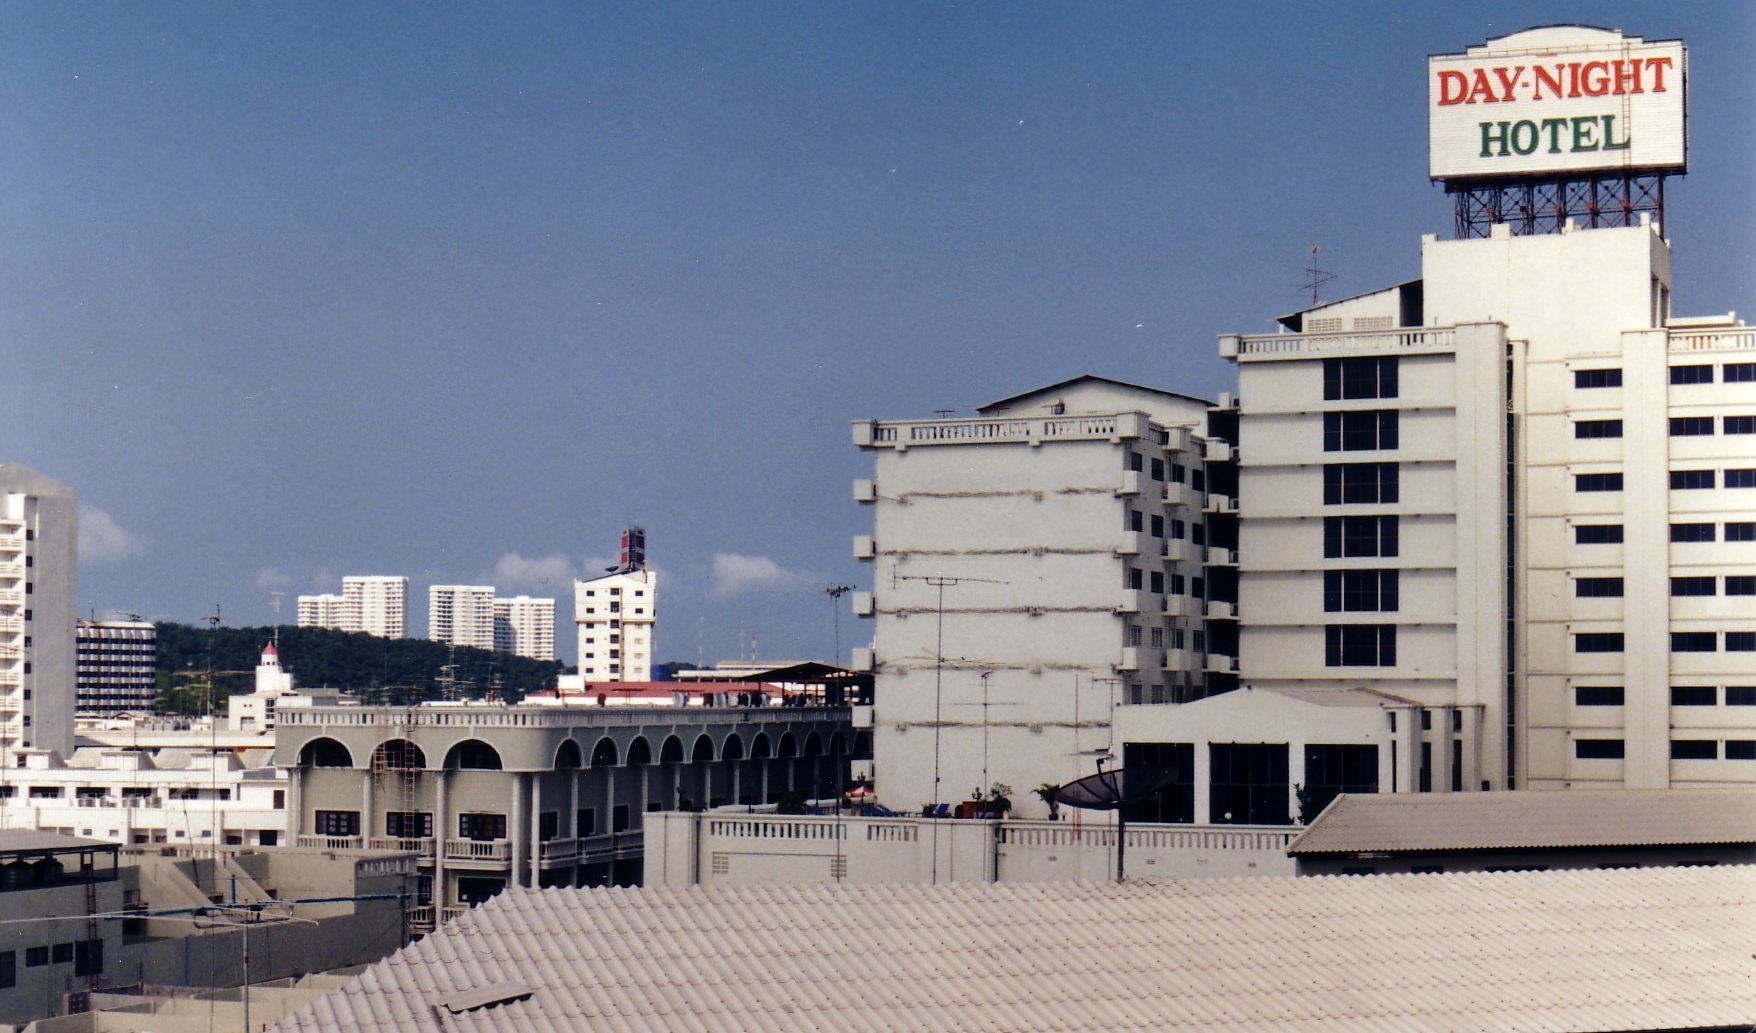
(550, 575)
(270, 578)
(102, 540)
(734, 574)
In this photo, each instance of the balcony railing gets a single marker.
(421, 918)
(422, 846)
(329, 842)
(497, 851)
(559, 850)
(1717, 339)
(11, 597)
(1298, 346)
(446, 914)
(541, 717)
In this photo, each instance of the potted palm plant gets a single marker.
(1046, 793)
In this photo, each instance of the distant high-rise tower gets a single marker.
(462, 615)
(39, 553)
(525, 627)
(375, 605)
(615, 613)
(117, 661)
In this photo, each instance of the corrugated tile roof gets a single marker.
(1650, 948)
(1392, 822)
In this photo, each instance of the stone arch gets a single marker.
(813, 745)
(472, 755)
(703, 748)
(732, 748)
(789, 747)
(672, 751)
(325, 753)
(862, 744)
(760, 747)
(398, 755)
(567, 755)
(603, 755)
(639, 751)
(838, 745)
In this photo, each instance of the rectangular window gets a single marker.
(1740, 372)
(1179, 473)
(1361, 431)
(1356, 483)
(1360, 645)
(1331, 770)
(1692, 532)
(36, 957)
(1156, 583)
(585, 822)
(1597, 642)
(1598, 749)
(1741, 749)
(1694, 749)
(1360, 591)
(1741, 641)
(1588, 378)
(1597, 482)
(1158, 527)
(1691, 374)
(61, 954)
(408, 824)
(1136, 520)
(1741, 695)
(1738, 531)
(1597, 695)
(1745, 478)
(1694, 586)
(1597, 587)
(8, 969)
(1597, 534)
(1585, 429)
(1691, 426)
(481, 826)
(548, 826)
(338, 823)
(1694, 641)
(1158, 470)
(1248, 783)
(1359, 378)
(1692, 480)
(1169, 765)
(1694, 695)
(88, 957)
(1740, 424)
(619, 818)
(1741, 584)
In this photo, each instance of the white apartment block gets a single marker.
(524, 626)
(1515, 489)
(117, 663)
(462, 615)
(39, 547)
(376, 605)
(614, 614)
(1036, 570)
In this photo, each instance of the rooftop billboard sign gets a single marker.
(1558, 100)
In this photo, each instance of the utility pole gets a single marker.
(835, 593)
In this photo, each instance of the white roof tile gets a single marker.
(1652, 948)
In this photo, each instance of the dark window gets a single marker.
(1248, 783)
(1136, 522)
(1597, 534)
(1169, 765)
(1740, 425)
(1745, 478)
(585, 822)
(1597, 749)
(1364, 430)
(1692, 480)
(1134, 462)
(1741, 641)
(1157, 582)
(1331, 770)
(1688, 586)
(1597, 378)
(1158, 527)
(1740, 372)
(338, 823)
(1597, 587)
(1736, 531)
(1741, 584)
(1694, 641)
(1694, 749)
(1694, 695)
(8, 969)
(1360, 591)
(408, 824)
(1597, 642)
(1597, 428)
(36, 957)
(1359, 378)
(1691, 374)
(481, 826)
(1158, 469)
(1598, 695)
(619, 818)
(1360, 645)
(1693, 532)
(1179, 473)
(61, 954)
(1741, 695)
(1691, 426)
(88, 957)
(1597, 482)
(1360, 536)
(1741, 749)
(548, 826)
(1349, 483)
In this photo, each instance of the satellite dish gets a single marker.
(1108, 790)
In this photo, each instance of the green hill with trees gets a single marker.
(389, 670)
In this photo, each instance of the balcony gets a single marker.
(1130, 659)
(1259, 347)
(11, 677)
(11, 597)
(1177, 439)
(1221, 611)
(423, 847)
(1133, 543)
(11, 622)
(1221, 452)
(559, 851)
(863, 605)
(864, 548)
(1182, 606)
(1221, 557)
(1181, 550)
(328, 842)
(1133, 483)
(1219, 504)
(1220, 664)
(865, 491)
(1182, 495)
(860, 659)
(421, 919)
(447, 914)
(480, 851)
(1134, 602)
(1028, 430)
(1180, 660)
(1723, 338)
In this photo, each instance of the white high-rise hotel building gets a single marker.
(471, 615)
(615, 613)
(374, 605)
(39, 551)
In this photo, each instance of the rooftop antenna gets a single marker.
(835, 593)
(943, 413)
(277, 598)
(1315, 278)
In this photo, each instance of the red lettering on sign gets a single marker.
(1546, 77)
(1598, 84)
(1507, 82)
(1452, 87)
(1658, 66)
(1482, 88)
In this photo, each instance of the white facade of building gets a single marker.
(39, 552)
(1517, 487)
(615, 614)
(461, 615)
(376, 605)
(525, 626)
(1036, 570)
(117, 667)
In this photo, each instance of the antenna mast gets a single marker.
(1315, 278)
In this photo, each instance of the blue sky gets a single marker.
(293, 291)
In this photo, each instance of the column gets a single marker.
(1408, 749)
(295, 806)
(441, 832)
(1444, 733)
(515, 828)
(1203, 785)
(736, 766)
(366, 825)
(1472, 726)
(536, 829)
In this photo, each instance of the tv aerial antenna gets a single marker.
(1315, 278)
